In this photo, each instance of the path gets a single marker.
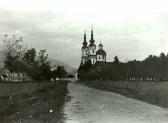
(89, 105)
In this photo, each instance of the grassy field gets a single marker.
(19, 88)
(151, 92)
(32, 103)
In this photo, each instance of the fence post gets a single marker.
(126, 86)
(11, 92)
(136, 85)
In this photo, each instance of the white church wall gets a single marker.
(100, 58)
(92, 51)
(93, 60)
(84, 52)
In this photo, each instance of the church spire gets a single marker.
(84, 35)
(84, 42)
(92, 38)
(92, 33)
(100, 45)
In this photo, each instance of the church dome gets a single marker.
(100, 52)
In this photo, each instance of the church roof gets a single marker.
(100, 52)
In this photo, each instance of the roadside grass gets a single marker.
(155, 93)
(42, 105)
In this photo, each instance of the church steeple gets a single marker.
(84, 42)
(92, 34)
(92, 38)
(100, 45)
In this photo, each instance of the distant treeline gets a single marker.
(152, 68)
(19, 59)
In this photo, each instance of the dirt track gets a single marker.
(88, 105)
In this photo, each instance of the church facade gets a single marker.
(89, 51)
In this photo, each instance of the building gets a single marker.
(14, 76)
(18, 77)
(89, 52)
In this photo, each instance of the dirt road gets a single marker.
(87, 105)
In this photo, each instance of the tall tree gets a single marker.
(29, 56)
(116, 60)
(44, 65)
(61, 72)
(13, 50)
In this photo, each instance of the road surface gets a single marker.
(88, 105)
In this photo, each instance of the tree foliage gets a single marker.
(60, 72)
(20, 59)
(13, 50)
(153, 67)
(116, 60)
(37, 66)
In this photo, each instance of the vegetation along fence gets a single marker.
(152, 92)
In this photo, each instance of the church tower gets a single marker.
(101, 54)
(84, 51)
(92, 49)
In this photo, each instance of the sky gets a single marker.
(129, 29)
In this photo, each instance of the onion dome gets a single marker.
(100, 52)
(92, 39)
(84, 42)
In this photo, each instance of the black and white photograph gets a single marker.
(83, 61)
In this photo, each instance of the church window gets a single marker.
(99, 57)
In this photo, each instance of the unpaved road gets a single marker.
(88, 105)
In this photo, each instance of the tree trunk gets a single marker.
(11, 89)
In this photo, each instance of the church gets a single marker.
(89, 51)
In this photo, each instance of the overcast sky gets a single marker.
(129, 29)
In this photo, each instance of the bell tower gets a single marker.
(92, 49)
(84, 50)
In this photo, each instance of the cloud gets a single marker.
(129, 30)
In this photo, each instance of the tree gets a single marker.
(13, 51)
(162, 55)
(70, 76)
(116, 60)
(43, 66)
(54, 74)
(29, 56)
(30, 63)
(42, 57)
(61, 72)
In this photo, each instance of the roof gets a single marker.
(100, 52)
